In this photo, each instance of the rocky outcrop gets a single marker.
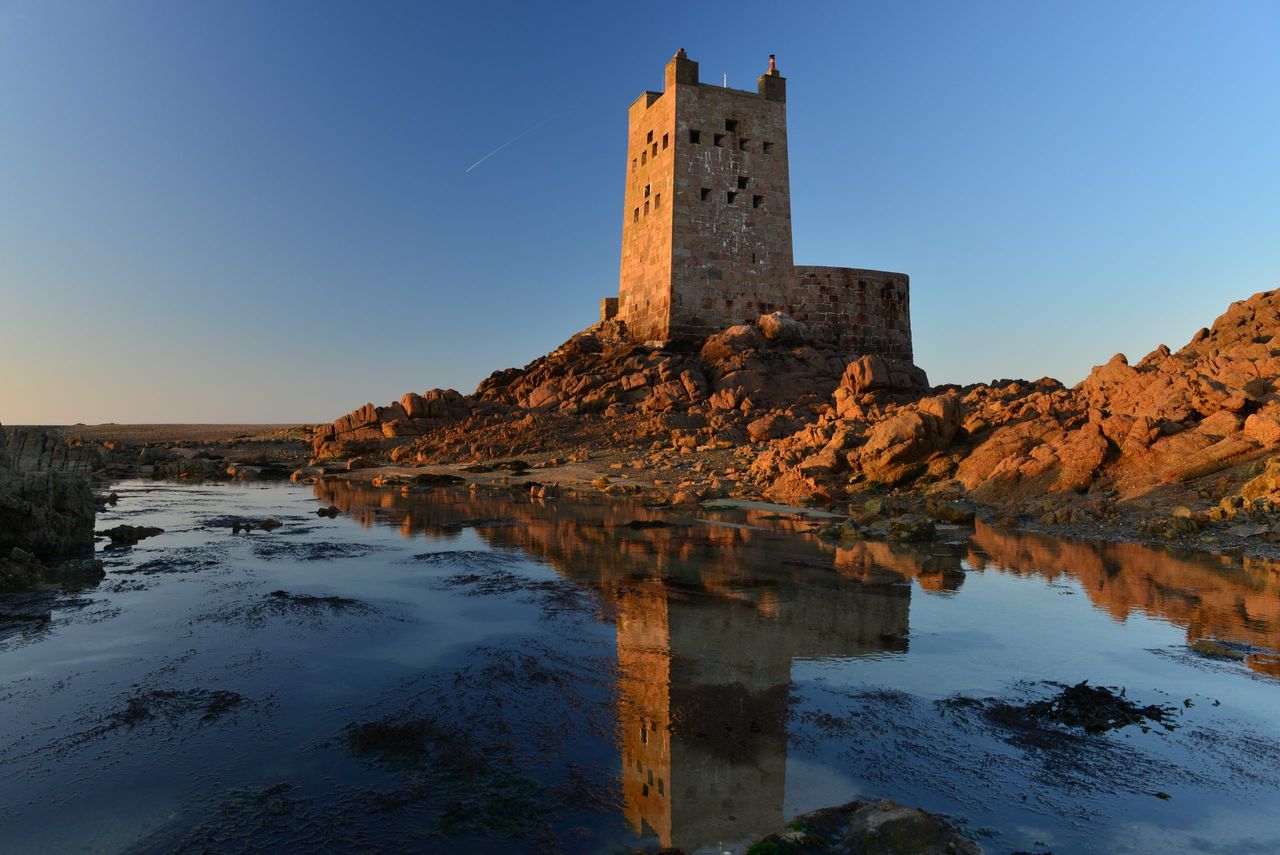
(750, 383)
(367, 427)
(806, 423)
(37, 450)
(1169, 419)
(46, 524)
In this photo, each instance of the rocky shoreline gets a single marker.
(48, 479)
(1177, 448)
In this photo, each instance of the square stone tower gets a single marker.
(706, 227)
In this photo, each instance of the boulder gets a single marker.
(781, 328)
(867, 374)
(732, 342)
(770, 426)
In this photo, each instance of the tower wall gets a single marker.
(864, 311)
(644, 293)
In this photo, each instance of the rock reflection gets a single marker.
(709, 619)
(1211, 596)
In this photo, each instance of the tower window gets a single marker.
(657, 201)
(650, 137)
(635, 216)
(742, 182)
(767, 148)
(655, 149)
(706, 193)
(644, 157)
(646, 190)
(695, 137)
(731, 125)
(719, 140)
(633, 164)
(742, 143)
(665, 139)
(757, 201)
(646, 208)
(732, 194)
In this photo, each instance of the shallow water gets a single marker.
(468, 672)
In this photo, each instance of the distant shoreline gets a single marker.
(166, 432)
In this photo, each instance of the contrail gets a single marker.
(505, 144)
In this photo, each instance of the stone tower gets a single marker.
(706, 231)
(706, 226)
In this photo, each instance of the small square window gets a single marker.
(655, 149)
(650, 137)
(742, 143)
(767, 148)
(657, 201)
(742, 182)
(719, 140)
(732, 194)
(695, 137)
(757, 201)
(731, 125)
(665, 139)
(646, 190)
(706, 193)
(635, 216)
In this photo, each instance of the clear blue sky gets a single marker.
(249, 211)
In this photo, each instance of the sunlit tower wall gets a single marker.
(706, 231)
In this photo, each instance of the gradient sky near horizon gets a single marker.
(261, 212)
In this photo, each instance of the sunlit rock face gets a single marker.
(1167, 419)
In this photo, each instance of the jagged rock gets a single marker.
(37, 450)
(45, 516)
(897, 447)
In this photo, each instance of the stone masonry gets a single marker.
(706, 230)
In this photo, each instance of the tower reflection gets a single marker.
(711, 614)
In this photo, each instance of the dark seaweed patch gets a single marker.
(555, 597)
(172, 707)
(475, 749)
(1093, 709)
(467, 558)
(274, 548)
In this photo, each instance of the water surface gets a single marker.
(459, 671)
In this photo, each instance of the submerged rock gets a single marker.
(881, 827)
(127, 535)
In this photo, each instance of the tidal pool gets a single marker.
(456, 671)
